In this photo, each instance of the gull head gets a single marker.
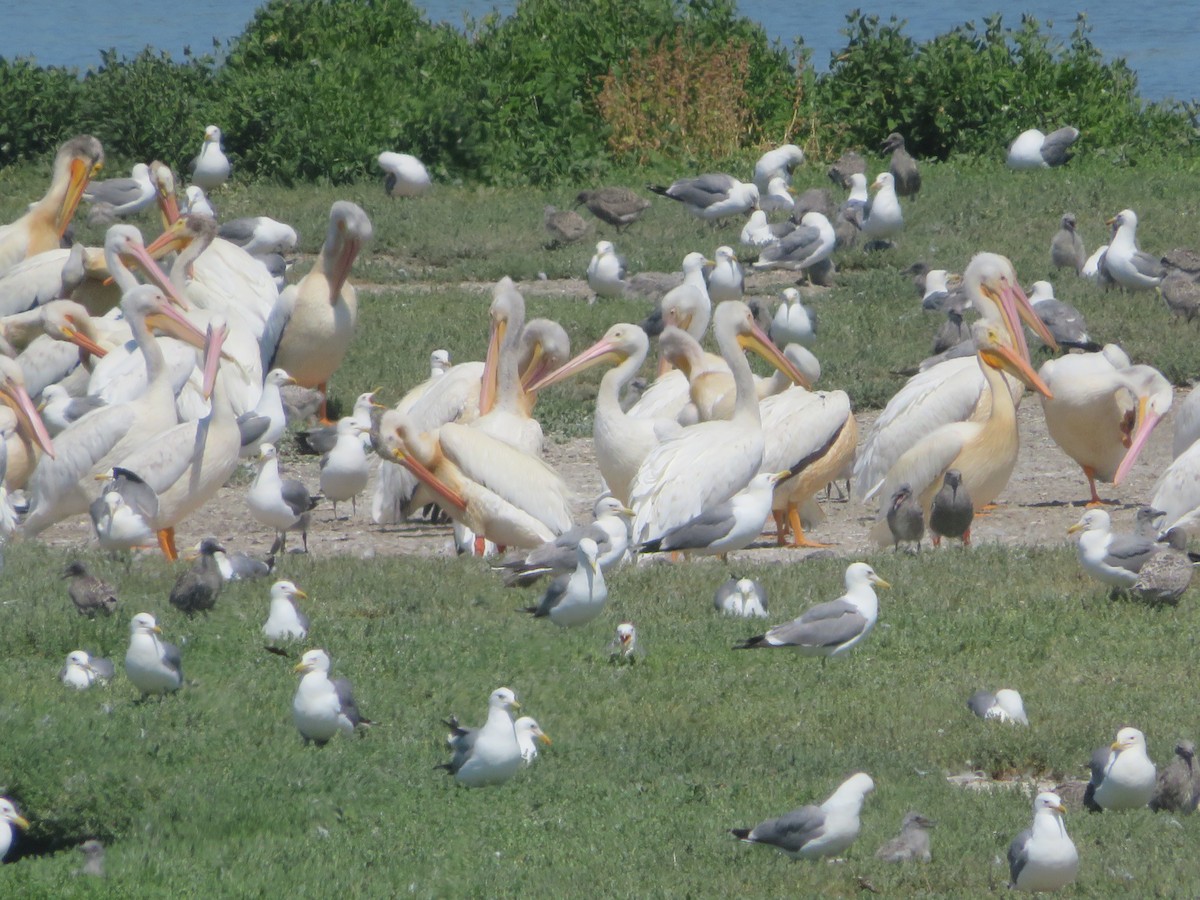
(143, 623)
(316, 660)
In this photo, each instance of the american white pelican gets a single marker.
(315, 318)
(951, 512)
(812, 832)
(1066, 247)
(905, 519)
(667, 490)
(575, 598)
(43, 226)
(344, 469)
(197, 589)
(903, 168)
(210, 169)
(323, 706)
(504, 405)
(712, 196)
(1177, 492)
(405, 175)
(1123, 775)
(24, 432)
(777, 163)
(618, 206)
(1124, 262)
(151, 664)
(496, 491)
(955, 390)
(490, 754)
(1043, 857)
(278, 503)
(726, 281)
(1101, 416)
(985, 452)
(606, 271)
(122, 197)
(285, 621)
(1033, 150)
(61, 486)
(81, 670)
(743, 597)
(882, 218)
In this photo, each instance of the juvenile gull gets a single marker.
(905, 518)
(1123, 776)
(1181, 294)
(89, 593)
(197, 589)
(850, 163)
(1005, 705)
(811, 832)
(1042, 857)
(82, 670)
(1033, 150)
(93, 859)
(1178, 787)
(322, 706)
(491, 754)
(912, 842)
(285, 622)
(152, 665)
(618, 206)
(1111, 558)
(565, 226)
(1066, 247)
(712, 196)
(528, 732)
(829, 629)
(1168, 573)
(741, 597)
(903, 167)
(8, 818)
(578, 597)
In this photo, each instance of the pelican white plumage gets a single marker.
(666, 492)
(504, 405)
(24, 433)
(404, 174)
(211, 168)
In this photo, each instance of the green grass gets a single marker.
(210, 792)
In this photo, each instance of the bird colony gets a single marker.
(180, 350)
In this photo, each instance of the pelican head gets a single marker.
(14, 395)
(75, 164)
(164, 190)
(148, 304)
(123, 246)
(402, 445)
(545, 345)
(1151, 397)
(991, 343)
(506, 315)
(65, 320)
(993, 289)
(182, 232)
(349, 229)
(619, 343)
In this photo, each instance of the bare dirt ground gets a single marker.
(1045, 496)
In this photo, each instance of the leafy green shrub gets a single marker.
(39, 108)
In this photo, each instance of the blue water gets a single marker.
(1160, 44)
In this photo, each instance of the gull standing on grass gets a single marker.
(829, 629)
(528, 731)
(1043, 858)
(1111, 558)
(323, 706)
(625, 647)
(152, 665)
(711, 197)
(578, 597)
(210, 169)
(811, 832)
(606, 271)
(609, 529)
(882, 218)
(1127, 265)
(491, 754)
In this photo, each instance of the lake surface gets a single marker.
(1159, 42)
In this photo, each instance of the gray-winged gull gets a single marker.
(778, 195)
(197, 589)
(905, 518)
(882, 218)
(210, 169)
(404, 174)
(911, 843)
(345, 469)
(281, 504)
(726, 281)
(60, 410)
(1111, 558)
(1042, 857)
(242, 566)
(1123, 776)
(777, 163)
(1066, 247)
(903, 167)
(606, 271)
(285, 621)
(1005, 705)
(728, 526)
(152, 665)
(1063, 320)
(1034, 150)
(1178, 788)
(89, 593)
(1125, 263)
(123, 196)
(124, 514)
(266, 423)
(712, 196)
(743, 597)
(609, 529)
(793, 322)
(617, 206)
(811, 832)
(578, 597)
(624, 648)
(323, 706)
(259, 235)
(491, 754)
(8, 818)
(808, 244)
(829, 629)
(529, 733)
(81, 670)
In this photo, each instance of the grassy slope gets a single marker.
(210, 792)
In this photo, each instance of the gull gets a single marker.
(1178, 787)
(847, 221)
(260, 235)
(1064, 322)
(881, 217)
(197, 589)
(488, 755)
(1066, 247)
(807, 245)
(625, 647)
(849, 164)
(1168, 573)
(122, 197)
(211, 168)
(89, 593)
(285, 621)
(344, 469)
(404, 174)
(777, 163)
(152, 665)
(1005, 705)
(1124, 263)
(793, 323)
(123, 516)
(905, 518)
(1123, 776)
(565, 226)
(1042, 857)
(712, 196)
(606, 271)
(196, 203)
(578, 597)
(281, 504)
(903, 168)
(242, 566)
(741, 597)
(8, 818)
(59, 409)
(1181, 294)
(939, 296)
(528, 731)
(322, 706)
(811, 832)
(266, 423)
(758, 232)
(618, 206)
(777, 195)
(609, 529)
(1034, 150)
(726, 281)
(93, 859)
(1111, 558)
(728, 526)
(1093, 268)
(320, 439)
(82, 670)
(830, 629)
(912, 842)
